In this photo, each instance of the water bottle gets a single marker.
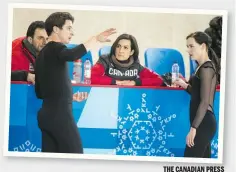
(77, 71)
(31, 67)
(87, 71)
(175, 73)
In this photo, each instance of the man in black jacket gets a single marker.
(53, 85)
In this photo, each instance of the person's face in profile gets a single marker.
(194, 49)
(123, 50)
(39, 39)
(65, 34)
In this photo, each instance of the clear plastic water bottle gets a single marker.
(77, 71)
(175, 73)
(87, 71)
(31, 67)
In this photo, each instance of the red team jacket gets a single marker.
(104, 72)
(21, 57)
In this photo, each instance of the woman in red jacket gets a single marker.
(122, 66)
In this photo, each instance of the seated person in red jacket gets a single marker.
(122, 67)
(25, 50)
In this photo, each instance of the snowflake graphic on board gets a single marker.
(142, 131)
(27, 147)
(143, 136)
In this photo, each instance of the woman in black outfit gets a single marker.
(201, 87)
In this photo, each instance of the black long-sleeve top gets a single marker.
(52, 81)
(202, 88)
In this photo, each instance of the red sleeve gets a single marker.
(13, 55)
(98, 75)
(18, 59)
(150, 78)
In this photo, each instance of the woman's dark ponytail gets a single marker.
(216, 61)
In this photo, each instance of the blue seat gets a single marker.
(71, 64)
(104, 50)
(193, 66)
(161, 60)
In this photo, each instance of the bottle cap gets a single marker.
(78, 60)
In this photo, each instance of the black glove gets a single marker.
(167, 79)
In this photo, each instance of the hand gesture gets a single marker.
(103, 37)
(80, 96)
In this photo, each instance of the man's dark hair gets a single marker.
(57, 19)
(33, 26)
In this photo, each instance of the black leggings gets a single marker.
(204, 134)
(59, 131)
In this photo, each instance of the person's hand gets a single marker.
(31, 78)
(118, 82)
(80, 96)
(183, 78)
(180, 82)
(129, 83)
(190, 137)
(103, 37)
(125, 82)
